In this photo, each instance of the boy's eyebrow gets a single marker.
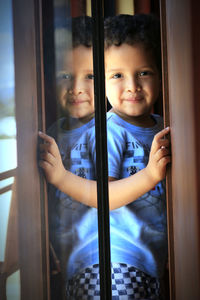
(114, 70)
(70, 70)
(88, 70)
(121, 69)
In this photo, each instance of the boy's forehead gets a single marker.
(125, 47)
(74, 56)
(128, 54)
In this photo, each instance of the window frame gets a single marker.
(31, 194)
(30, 115)
(181, 66)
(101, 152)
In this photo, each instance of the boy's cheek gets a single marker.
(60, 92)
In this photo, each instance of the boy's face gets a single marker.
(75, 84)
(132, 81)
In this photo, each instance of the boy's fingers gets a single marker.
(48, 148)
(46, 156)
(159, 140)
(164, 143)
(165, 160)
(44, 147)
(162, 152)
(44, 165)
(162, 133)
(45, 137)
(49, 144)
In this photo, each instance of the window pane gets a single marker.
(73, 226)
(4, 213)
(13, 286)
(7, 105)
(8, 157)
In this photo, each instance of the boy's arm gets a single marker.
(121, 192)
(80, 189)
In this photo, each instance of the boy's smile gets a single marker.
(75, 84)
(132, 83)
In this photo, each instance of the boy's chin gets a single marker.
(72, 114)
(82, 117)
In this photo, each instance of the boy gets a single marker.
(132, 68)
(75, 93)
(138, 230)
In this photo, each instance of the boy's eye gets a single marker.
(66, 76)
(117, 76)
(144, 73)
(89, 76)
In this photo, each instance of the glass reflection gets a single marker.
(73, 225)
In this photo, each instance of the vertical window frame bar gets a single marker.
(101, 151)
(29, 97)
(166, 114)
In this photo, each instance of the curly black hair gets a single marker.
(81, 31)
(134, 29)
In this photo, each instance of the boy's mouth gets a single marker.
(77, 101)
(134, 99)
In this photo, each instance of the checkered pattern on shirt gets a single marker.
(127, 283)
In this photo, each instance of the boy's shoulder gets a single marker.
(112, 117)
(119, 128)
(56, 127)
(59, 127)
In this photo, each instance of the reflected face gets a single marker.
(132, 81)
(75, 84)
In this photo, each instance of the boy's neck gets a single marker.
(73, 123)
(145, 121)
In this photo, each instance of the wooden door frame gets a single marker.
(180, 25)
(181, 64)
(29, 95)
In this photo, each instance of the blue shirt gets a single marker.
(138, 230)
(64, 212)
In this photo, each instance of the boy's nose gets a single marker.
(133, 85)
(77, 87)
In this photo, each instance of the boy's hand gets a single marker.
(159, 156)
(50, 160)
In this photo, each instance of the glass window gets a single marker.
(8, 157)
(75, 114)
(73, 225)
